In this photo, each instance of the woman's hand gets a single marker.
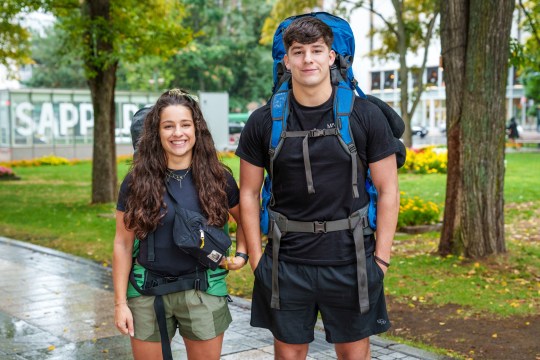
(233, 263)
(123, 319)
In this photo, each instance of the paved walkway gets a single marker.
(57, 306)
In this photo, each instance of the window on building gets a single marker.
(375, 80)
(416, 76)
(516, 80)
(389, 79)
(432, 76)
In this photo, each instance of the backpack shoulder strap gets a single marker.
(151, 236)
(279, 107)
(280, 112)
(343, 105)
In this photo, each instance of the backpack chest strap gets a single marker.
(310, 133)
(306, 134)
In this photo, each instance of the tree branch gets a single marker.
(429, 35)
(531, 22)
(360, 5)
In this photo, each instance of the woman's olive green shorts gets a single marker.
(196, 314)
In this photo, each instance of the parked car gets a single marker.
(419, 130)
(235, 129)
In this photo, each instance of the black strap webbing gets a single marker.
(159, 308)
(276, 240)
(358, 222)
(307, 166)
(151, 252)
(361, 272)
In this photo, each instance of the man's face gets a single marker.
(310, 63)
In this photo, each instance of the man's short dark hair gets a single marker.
(307, 30)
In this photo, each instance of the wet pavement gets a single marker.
(57, 306)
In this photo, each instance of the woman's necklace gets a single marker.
(171, 175)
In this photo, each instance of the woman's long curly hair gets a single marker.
(145, 202)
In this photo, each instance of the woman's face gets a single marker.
(177, 134)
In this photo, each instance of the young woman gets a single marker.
(176, 161)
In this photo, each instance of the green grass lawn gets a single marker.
(50, 207)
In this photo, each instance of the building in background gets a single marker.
(381, 78)
(38, 122)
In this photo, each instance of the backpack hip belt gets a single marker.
(358, 222)
(158, 285)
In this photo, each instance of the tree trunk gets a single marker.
(454, 15)
(475, 39)
(104, 176)
(102, 82)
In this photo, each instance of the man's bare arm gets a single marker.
(251, 178)
(384, 175)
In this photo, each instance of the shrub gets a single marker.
(44, 160)
(232, 226)
(415, 211)
(124, 159)
(6, 172)
(428, 160)
(52, 160)
(226, 154)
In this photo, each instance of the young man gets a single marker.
(317, 269)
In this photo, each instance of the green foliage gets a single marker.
(415, 18)
(526, 56)
(531, 24)
(53, 67)
(14, 46)
(281, 10)
(148, 42)
(531, 82)
(225, 54)
(147, 74)
(129, 30)
(517, 56)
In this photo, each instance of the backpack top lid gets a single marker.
(137, 124)
(343, 46)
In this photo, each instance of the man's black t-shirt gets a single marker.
(170, 260)
(331, 169)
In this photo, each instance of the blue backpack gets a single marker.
(343, 78)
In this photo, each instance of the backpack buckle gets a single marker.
(319, 226)
(316, 133)
(365, 221)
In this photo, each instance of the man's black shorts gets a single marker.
(306, 290)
